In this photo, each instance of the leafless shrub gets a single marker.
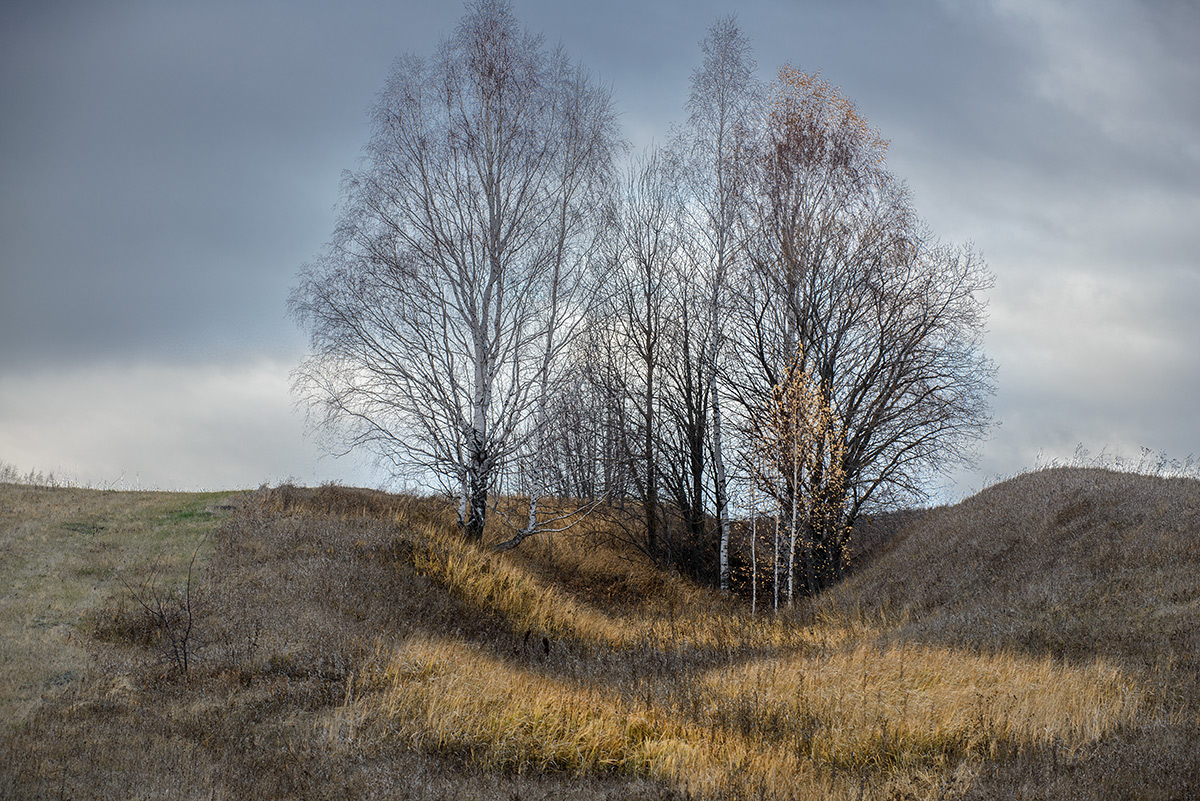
(151, 615)
(174, 615)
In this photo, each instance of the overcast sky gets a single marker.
(166, 167)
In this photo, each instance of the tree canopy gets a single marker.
(753, 309)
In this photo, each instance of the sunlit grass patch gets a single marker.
(680, 616)
(823, 723)
(453, 698)
(489, 582)
(906, 705)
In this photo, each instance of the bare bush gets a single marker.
(172, 613)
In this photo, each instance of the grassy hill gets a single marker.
(1069, 562)
(64, 551)
(1076, 566)
(1037, 640)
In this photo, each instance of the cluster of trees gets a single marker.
(751, 317)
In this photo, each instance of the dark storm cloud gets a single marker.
(165, 168)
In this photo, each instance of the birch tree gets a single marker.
(629, 336)
(846, 286)
(798, 462)
(440, 309)
(717, 144)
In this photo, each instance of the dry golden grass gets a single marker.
(574, 588)
(911, 705)
(832, 693)
(354, 647)
(777, 728)
(454, 697)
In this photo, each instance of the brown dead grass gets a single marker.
(61, 552)
(354, 647)
(1071, 563)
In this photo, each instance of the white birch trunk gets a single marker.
(791, 581)
(775, 561)
(753, 551)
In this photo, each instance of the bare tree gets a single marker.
(439, 312)
(687, 406)
(847, 287)
(587, 138)
(717, 145)
(629, 328)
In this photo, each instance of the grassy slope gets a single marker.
(62, 552)
(1036, 639)
(1074, 565)
(1070, 562)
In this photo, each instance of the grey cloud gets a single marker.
(166, 168)
(155, 426)
(171, 168)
